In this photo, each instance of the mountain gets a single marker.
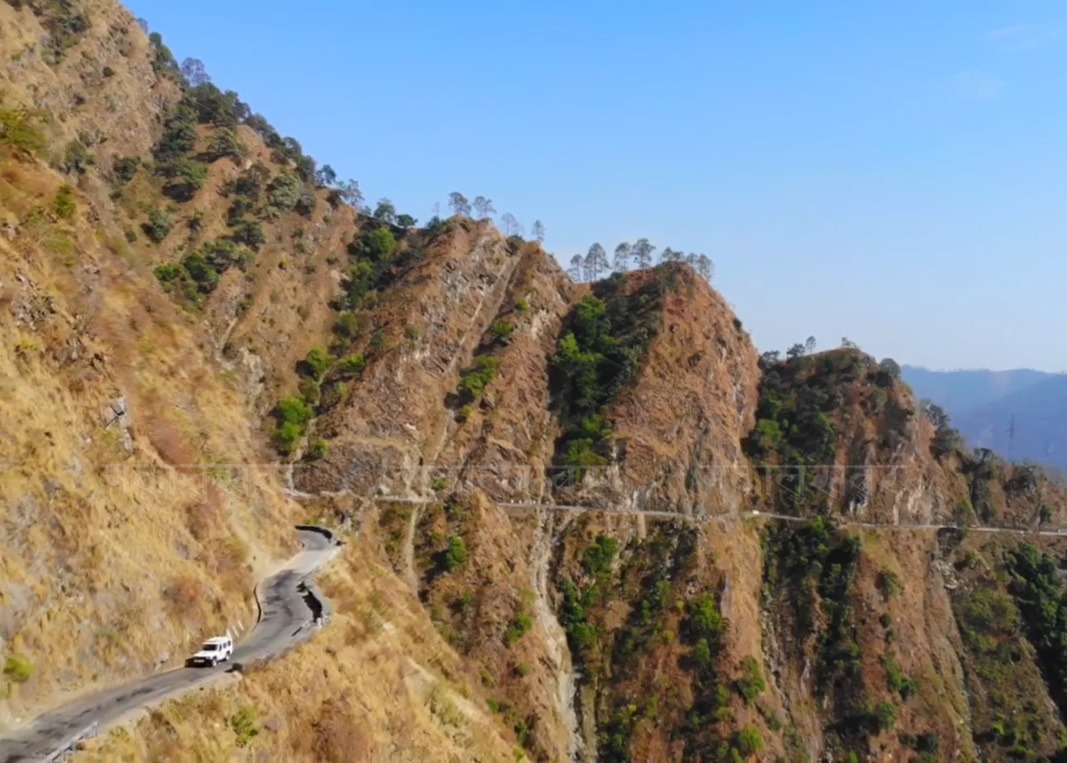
(1019, 414)
(1029, 424)
(581, 521)
(961, 391)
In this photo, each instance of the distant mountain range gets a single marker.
(1021, 414)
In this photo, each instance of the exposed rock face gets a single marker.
(680, 424)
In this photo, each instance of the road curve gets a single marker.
(285, 609)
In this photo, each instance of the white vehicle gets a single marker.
(214, 650)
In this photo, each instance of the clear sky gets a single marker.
(891, 172)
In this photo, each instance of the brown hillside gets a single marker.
(205, 343)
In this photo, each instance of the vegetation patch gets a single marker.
(808, 576)
(19, 131)
(600, 349)
(18, 669)
(1009, 718)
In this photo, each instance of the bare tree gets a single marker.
(596, 261)
(385, 211)
(642, 252)
(671, 255)
(703, 265)
(539, 231)
(577, 266)
(459, 204)
(847, 343)
(483, 207)
(195, 71)
(348, 192)
(511, 224)
(143, 23)
(809, 345)
(621, 262)
(326, 176)
(437, 209)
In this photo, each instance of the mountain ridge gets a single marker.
(281, 354)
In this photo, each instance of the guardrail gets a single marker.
(61, 753)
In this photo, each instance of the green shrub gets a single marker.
(517, 628)
(250, 233)
(245, 725)
(702, 655)
(896, 680)
(705, 620)
(885, 715)
(159, 225)
(888, 583)
(225, 143)
(293, 410)
(222, 254)
(310, 391)
(598, 557)
(283, 193)
(748, 741)
(476, 379)
(179, 135)
(347, 325)
(751, 684)
(169, 273)
(19, 131)
(377, 245)
(76, 158)
(201, 271)
(185, 177)
(317, 362)
(317, 451)
(18, 669)
(63, 205)
(502, 330)
(350, 365)
(456, 554)
(287, 435)
(124, 168)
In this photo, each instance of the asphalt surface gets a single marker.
(284, 613)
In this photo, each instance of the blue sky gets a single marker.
(893, 173)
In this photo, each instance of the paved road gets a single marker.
(284, 611)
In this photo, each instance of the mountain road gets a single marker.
(287, 607)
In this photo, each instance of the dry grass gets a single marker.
(82, 519)
(378, 683)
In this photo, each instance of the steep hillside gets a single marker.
(555, 495)
(144, 222)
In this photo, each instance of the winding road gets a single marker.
(286, 609)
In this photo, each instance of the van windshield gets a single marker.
(210, 647)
